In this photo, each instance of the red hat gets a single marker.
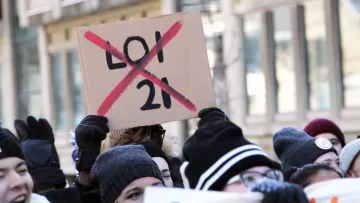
(323, 125)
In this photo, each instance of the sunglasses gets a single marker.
(158, 136)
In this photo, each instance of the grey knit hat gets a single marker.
(118, 167)
(348, 154)
(295, 148)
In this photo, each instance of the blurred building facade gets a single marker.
(289, 61)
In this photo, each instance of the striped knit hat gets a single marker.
(216, 153)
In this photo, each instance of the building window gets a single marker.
(255, 80)
(77, 106)
(211, 6)
(317, 68)
(29, 80)
(58, 91)
(350, 42)
(284, 61)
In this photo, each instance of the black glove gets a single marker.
(37, 143)
(276, 192)
(89, 134)
(211, 115)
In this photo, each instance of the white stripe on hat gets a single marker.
(183, 175)
(229, 164)
(222, 160)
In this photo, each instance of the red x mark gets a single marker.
(139, 69)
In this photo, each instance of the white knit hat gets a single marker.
(348, 154)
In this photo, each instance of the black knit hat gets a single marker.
(216, 153)
(154, 150)
(295, 148)
(118, 167)
(9, 145)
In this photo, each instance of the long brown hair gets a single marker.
(153, 133)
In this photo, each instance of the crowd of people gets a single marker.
(117, 166)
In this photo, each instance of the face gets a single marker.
(330, 159)
(333, 139)
(134, 193)
(240, 183)
(324, 175)
(354, 172)
(164, 168)
(15, 181)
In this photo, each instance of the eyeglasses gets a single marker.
(158, 136)
(250, 177)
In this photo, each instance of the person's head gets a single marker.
(350, 159)
(123, 173)
(217, 155)
(311, 173)
(153, 133)
(295, 148)
(161, 160)
(16, 184)
(324, 128)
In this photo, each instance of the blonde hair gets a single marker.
(128, 136)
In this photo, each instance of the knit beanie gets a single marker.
(9, 145)
(348, 155)
(155, 151)
(216, 153)
(120, 166)
(323, 125)
(295, 148)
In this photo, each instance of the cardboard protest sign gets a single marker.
(175, 195)
(146, 71)
(334, 191)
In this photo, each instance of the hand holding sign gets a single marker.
(181, 63)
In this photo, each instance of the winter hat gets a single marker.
(295, 148)
(348, 155)
(9, 145)
(154, 151)
(118, 167)
(323, 125)
(216, 153)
